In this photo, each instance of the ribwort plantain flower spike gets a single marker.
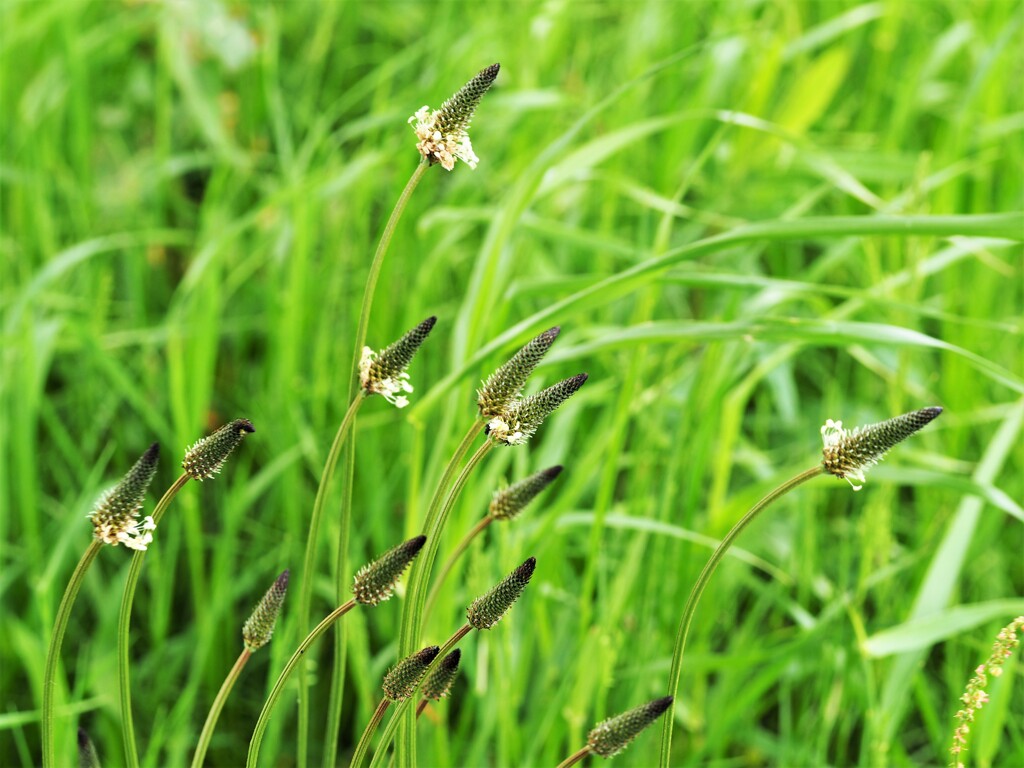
(259, 627)
(87, 757)
(437, 685)
(383, 373)
(442, 134)
(205, 459)
(487, 610)
(614, 734)
(850, 453)
(503, 386)
(400, 683)
(374, 583)
(115, 518)
(521, 420)
(509, 502)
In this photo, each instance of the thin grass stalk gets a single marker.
(60, 626)
(338, 662)
(575, 757)
(371, 727)
(402, 706)
(131, 753)
(447, 568)
(412, 617)
(275, 694)
(309, 563)
(217, 706)
(702, 582)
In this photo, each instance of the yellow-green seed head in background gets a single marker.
(205, 459)
(443, 134)
(115, 518)
(383, 373)
(614, 734)
(509, 502)
(400, 683)
(259, 627)
(503, 386)
(524, 417)
(850, 453)
(487, 610)
(437, 685)
(374, 583)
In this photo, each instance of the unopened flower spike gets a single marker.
(442, 133)
(523, 417)
(503, 386)
(850, 453)
(487, 610)
(509, 502)
(614, 734)
(400, 683)
(259, 627)
(437, 685)
(375, 582)
(115, 519)
(87, 757)
(205, 459)
(383, 373)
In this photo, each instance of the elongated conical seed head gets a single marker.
(614, 734)
(400, 683)
(487, 610)
(509, 502)
(205, 459)
(503, 386)
(115, 519)
(439, 682)
(374, 583)
(850, 453)
(87, 757)
(383, 373)
(259, 627)
(524, 417)
(443, 134)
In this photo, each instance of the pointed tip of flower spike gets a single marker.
(848, 454)
(206, 457)
(383, 373)
(115, 518)
(87, 757)
(259, 627)
(439, 683)
(488, 610)
(375, 582)
(400, 683)
(503, 386)
(613, 735)
(509, 502)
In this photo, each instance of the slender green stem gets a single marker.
(60, 626)
(124, 629)
(364, 741)
(337, 673)
(405, 752)
(332, 727)
(702, 582)
(275, 694)
(574, 758)
(403, 706)
(447, 567)
(218, 705)
(309, 563)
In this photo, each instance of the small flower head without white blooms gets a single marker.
(442, 132)
(116, 516)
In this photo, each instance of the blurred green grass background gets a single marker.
(191, 194)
